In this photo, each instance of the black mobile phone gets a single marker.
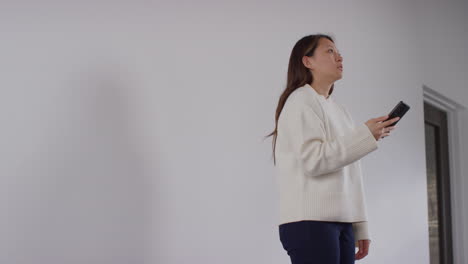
(399, 110)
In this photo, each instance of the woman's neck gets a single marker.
(322, 88)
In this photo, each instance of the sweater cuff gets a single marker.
(361, 232)
(366, 139)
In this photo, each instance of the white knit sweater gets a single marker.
(318, 151)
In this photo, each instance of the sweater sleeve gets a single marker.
(321, 156)
(348, 115)
(361, 232)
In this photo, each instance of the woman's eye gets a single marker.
(330, 49)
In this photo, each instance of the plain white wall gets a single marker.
(133, 130)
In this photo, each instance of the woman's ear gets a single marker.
(306, 61)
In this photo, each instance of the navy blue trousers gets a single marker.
(318, 242)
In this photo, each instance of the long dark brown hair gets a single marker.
(298, 75)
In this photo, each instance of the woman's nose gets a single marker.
(340, 58)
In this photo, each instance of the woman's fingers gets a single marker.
(389, 122)
(360, 251)
(363, 249)
(386, 134)
(382, 129)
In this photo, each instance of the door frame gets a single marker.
(459, 212)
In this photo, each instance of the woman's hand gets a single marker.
(363, 249)
(378, 128)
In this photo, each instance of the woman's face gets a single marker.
(326, 63)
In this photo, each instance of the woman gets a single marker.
(317, 149)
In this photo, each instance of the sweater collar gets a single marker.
(316, 94)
